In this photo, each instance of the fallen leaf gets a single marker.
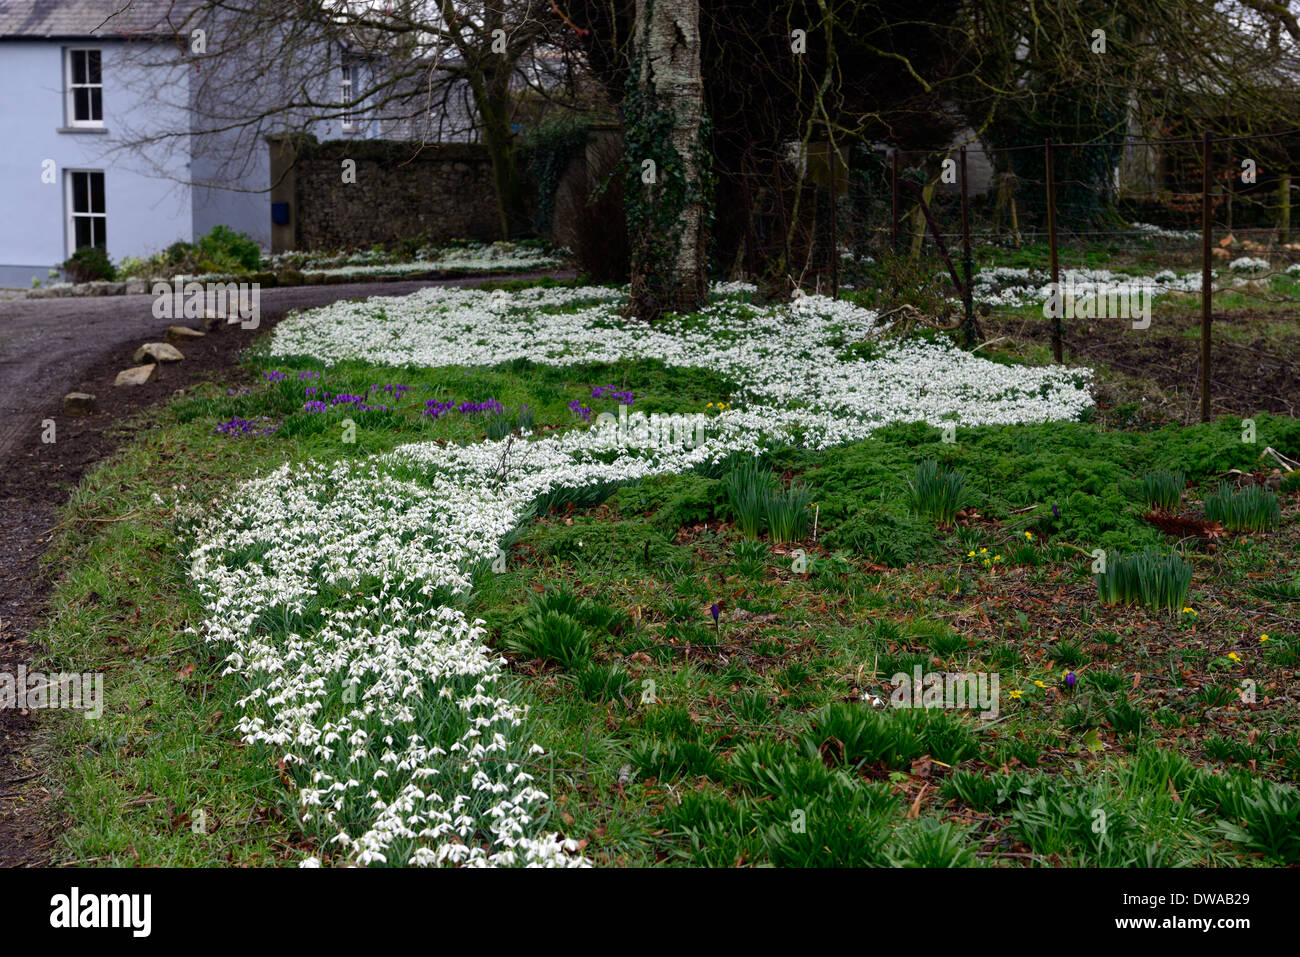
(915, 810)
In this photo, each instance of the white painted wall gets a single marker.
(146, 212)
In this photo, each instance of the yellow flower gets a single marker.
(983, 551)
(1234, 656)
(1263, 637)
(1015, 695)
(1190, 611)
(1040, 684)
(970, 554)
(1029, 535)
(997, 558)
(709, 406)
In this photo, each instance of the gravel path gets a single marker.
(45, 344)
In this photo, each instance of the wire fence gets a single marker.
(1186, 204)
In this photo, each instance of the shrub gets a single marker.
(88, 264)
(936, 493)
(230, 251)
(1146, 578)
(1249, 509)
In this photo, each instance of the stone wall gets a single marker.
(401, 191)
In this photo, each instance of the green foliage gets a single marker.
(1164, 490)
(225, 250)
(984, 792)
(551, 147)
(751, 557)
(507, 421)
(748, 487)
(931, 843)
(885, 537)
(1252, 508)
(666, 760)
(937, 493)
(787, 513)
(1158, 581)
(88, 264)
(553, 636)
(604, 682)
(1078, 468)
(855, 736)
(1266, 821)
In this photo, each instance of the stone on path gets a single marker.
(182, 334)
(158, 352)
(138, 375)
(78, 403)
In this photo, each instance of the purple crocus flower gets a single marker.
(715, 611)
(608, 392)
(433, 408)
(238, 427)
(474, 408)
(1070, 679)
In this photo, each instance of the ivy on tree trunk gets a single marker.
(669, 181)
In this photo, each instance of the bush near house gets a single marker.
(221, 251)
(89, 264)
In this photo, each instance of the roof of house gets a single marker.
(37, 19)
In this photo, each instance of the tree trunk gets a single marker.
(493, 99)
(667, 201)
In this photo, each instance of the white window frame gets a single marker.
(350, 74)
(71, 214)
(70, 100)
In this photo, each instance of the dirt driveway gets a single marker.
(49, 347)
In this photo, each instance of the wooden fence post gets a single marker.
(1207, 282)
(1058, 347)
